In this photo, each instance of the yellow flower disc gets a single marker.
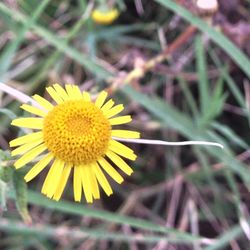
(77, 132)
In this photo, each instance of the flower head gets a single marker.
(105, 16)
(74, 134)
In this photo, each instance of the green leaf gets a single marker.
(20, 188)
(8, 112)
(6, 171)
(6, 174)
(3, 194)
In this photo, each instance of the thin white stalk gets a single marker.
(20, 96)
(167, 143)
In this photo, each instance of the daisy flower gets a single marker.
(75, 135)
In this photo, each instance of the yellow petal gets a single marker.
(122, 150)
(70, 92)
(101, 99)
(107, 106)
(125, 134)
(47, 182)
(120, 162)
(77, 183)
(114, 111)
(43, 102)
(110, 170)
(26, 147)
(61, 92)
(86, 183)
(120, 120)
(30, 156)
(38, 167)
(54, 95)
(121, 146)
(94, 184)
(26, 139)
(86, 96)
(62, 182)
(30, 122)
(77, 93)
(102, 179)
(33, 110)
(55, 176)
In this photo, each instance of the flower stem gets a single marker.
(17, 94)
(166, 143)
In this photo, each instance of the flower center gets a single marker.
(77, 132)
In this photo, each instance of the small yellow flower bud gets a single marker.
(105, 16)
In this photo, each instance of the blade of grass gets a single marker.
(229, 80)
(236, 54)
(201, 65)
(82, 4)
(51, 60)
(119, 30)
(189, 97)
(224, 239)
(59, 43)
(9, 51)
(141, 43)
(80, 233)
(181, 123)
(215, 105)
(118, 34)
(230, 134)
(79, 209)
(211, 180)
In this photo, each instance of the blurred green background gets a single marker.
(193, 197)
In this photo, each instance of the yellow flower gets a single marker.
(105, 16)
(75, 134)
